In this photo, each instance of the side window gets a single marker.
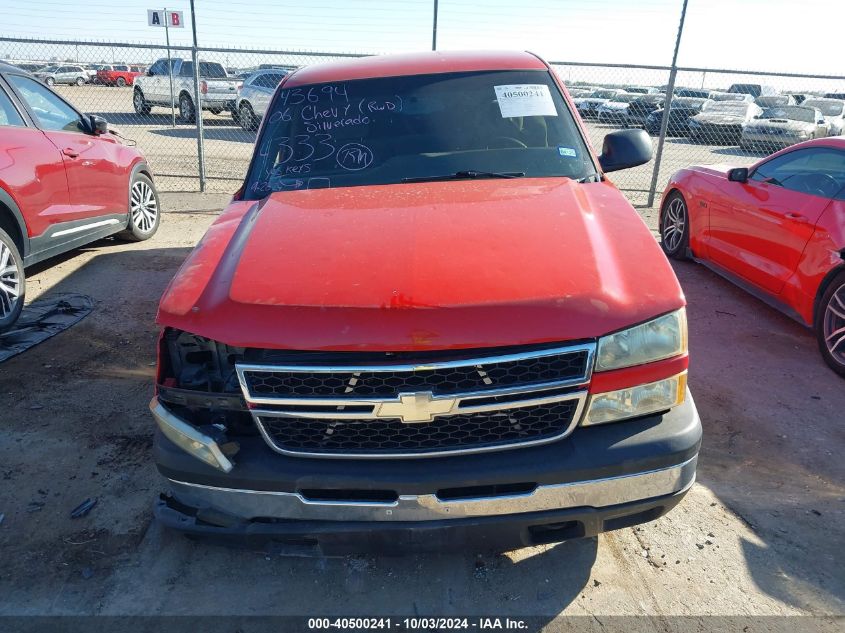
(121, 68)
(816, 171)
(187, 69)
(52, 113)
(8, 113)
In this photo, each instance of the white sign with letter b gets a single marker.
(159, 17)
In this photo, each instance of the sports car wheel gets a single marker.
(12, 282)
(144, 216)
(674, 226)
(830, 325)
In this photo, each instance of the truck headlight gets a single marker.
(636, 401)
(660, 338)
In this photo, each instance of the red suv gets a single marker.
(119, 75)
(427, 319)
(64, 181)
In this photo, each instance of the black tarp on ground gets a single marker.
(43, 318)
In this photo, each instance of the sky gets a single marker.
(775, 35)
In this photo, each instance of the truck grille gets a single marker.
(474, 431)
(384, 407)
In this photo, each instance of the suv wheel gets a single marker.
(144, 216)
(674, 226)
(50, 81)
(830, 324)
(121, 82)
(246, 117)
(141, 106)
(186, 109)
(12, 282)
(80, 81)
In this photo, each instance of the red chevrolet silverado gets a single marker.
(426, 320)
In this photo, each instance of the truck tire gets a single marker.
(121, 82)
(142, 108)
(144, 210)
(187, 112)
(830, 321)
(12, 282)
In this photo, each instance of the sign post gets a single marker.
(167, 19)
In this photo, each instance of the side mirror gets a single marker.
(625, 148)
(738, 174)
(98, 125)
(150, 73)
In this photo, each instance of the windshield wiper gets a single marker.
(467, 175)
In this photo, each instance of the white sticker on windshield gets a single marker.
(525, 100)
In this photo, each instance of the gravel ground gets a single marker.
(761, 533)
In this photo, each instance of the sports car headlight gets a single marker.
(634, 402)
(660, 338)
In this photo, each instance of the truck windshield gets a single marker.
(393, 129)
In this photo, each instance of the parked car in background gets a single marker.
(29, 67)
(588, 106)
(254, 96)
(119, 75)
(755, 90)
(833, 111)
(615, 111)
(722, 122)
(641, 107)
(692, 92)
(799, 97)
(579, 92)
(70, 182)
(341, 327)
(773, 101)
(730, 96)
(71, 75)
(681, 110)
(218, 91)
(776, 229)
(641, 90)
(779, 127)
(835, 95)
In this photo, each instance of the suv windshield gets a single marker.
(792, 113)
(390, 129)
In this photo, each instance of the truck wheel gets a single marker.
(50, 81)
(144, 216)
(121, 82)
(12, 282)
(830, 324)
(80, 81)
(246, 117)
(186, 109)
(674, 226)
(140, 103)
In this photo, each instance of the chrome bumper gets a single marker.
(251, 504)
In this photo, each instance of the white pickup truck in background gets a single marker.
(218, 91)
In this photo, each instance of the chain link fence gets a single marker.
(715, 116)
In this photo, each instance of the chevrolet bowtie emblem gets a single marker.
(415, 407)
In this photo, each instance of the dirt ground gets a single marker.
(761, 533)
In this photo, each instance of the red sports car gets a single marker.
(65, 181)
(776, 229)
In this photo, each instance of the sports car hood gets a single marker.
(783, 124)
(423, 266)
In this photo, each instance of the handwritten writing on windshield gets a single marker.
(317, 112)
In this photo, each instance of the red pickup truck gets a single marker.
(426, 320)
(119, 75)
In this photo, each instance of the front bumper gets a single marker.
(714, 134)
(768, 141)
(597, 479)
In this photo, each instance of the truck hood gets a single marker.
(423, 266)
